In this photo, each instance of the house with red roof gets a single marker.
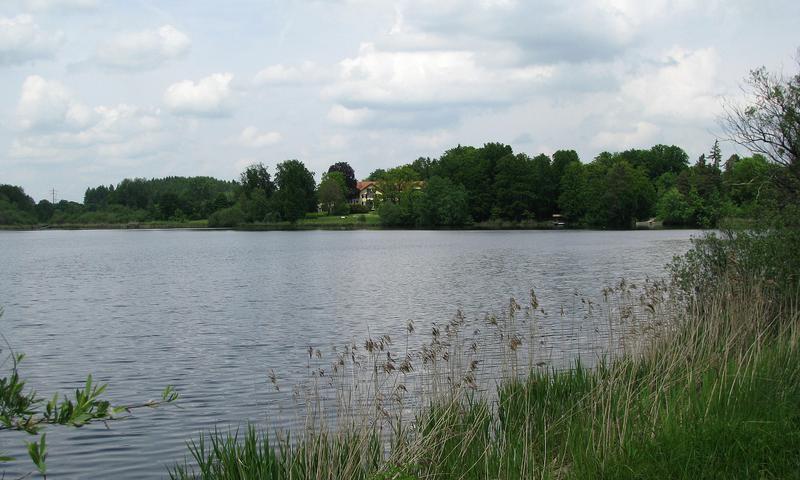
(368, 194)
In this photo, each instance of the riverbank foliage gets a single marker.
(700, 378)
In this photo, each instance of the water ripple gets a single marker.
(213, 312)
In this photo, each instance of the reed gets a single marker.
(681, 385)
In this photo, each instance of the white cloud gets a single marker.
(252, 138)
(210, 96)
(302, 74)
(49, 105)
(347, 116)
(40, 5)
(640, 134)
(545, 31)
(432, 141)
(675, 93)
(637, 13)
(143, 50)
(336, 141)
(426, 78)
(58, 127)
(683, 87)
(22, 40)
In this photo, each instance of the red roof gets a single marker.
(362, 185)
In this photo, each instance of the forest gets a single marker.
(465, 186)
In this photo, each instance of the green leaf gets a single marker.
(38, 454)
(169, 394)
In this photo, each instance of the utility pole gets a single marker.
(53, 193)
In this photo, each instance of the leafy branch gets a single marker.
(21, 409)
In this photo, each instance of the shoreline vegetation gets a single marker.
(347, 225)
(488, 187)
(351, 223)
(700, 377)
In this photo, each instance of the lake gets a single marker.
(212, 312)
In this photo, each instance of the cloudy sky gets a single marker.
(92, 91)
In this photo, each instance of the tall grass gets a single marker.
(692, 384)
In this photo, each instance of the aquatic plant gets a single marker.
(681, 384)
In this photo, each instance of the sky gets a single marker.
(94, 91)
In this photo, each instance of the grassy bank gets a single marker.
(312, 221)
(320, 222)
(111, 226)
(704, 382)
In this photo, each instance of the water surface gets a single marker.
(211, 312)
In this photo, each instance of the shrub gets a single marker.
(227, 217)
(358, 208)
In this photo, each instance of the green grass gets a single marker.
(320, 221)
(356, 220)
(111, 226)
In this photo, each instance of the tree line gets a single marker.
(465, 185)
(492, 183)
(132, 200)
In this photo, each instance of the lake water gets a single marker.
(211, 312)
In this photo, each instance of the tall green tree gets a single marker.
(747, 179)
(16, 207)
(768, 123)
(666, 158)
(715, 155)
(256, 177)
(377, 174)
(621, 194)
(474, 168)
(95, 198)
(442, 203)
(349, 177)
(544, 187)
(296, 194)
(573, 200)
(561, 158)
(424, 167)
(404, 212)
(514, 181)
(331, 193)
(394, 181)
(674, 209)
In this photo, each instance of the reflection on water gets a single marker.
(212, 312)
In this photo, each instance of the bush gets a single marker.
(767, 253)
(341, 208)
(12, 216)
(226, 218)
(358, 208)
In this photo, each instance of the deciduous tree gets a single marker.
(296, 193)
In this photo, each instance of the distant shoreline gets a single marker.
(264, 227)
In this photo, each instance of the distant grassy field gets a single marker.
(313, 221)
